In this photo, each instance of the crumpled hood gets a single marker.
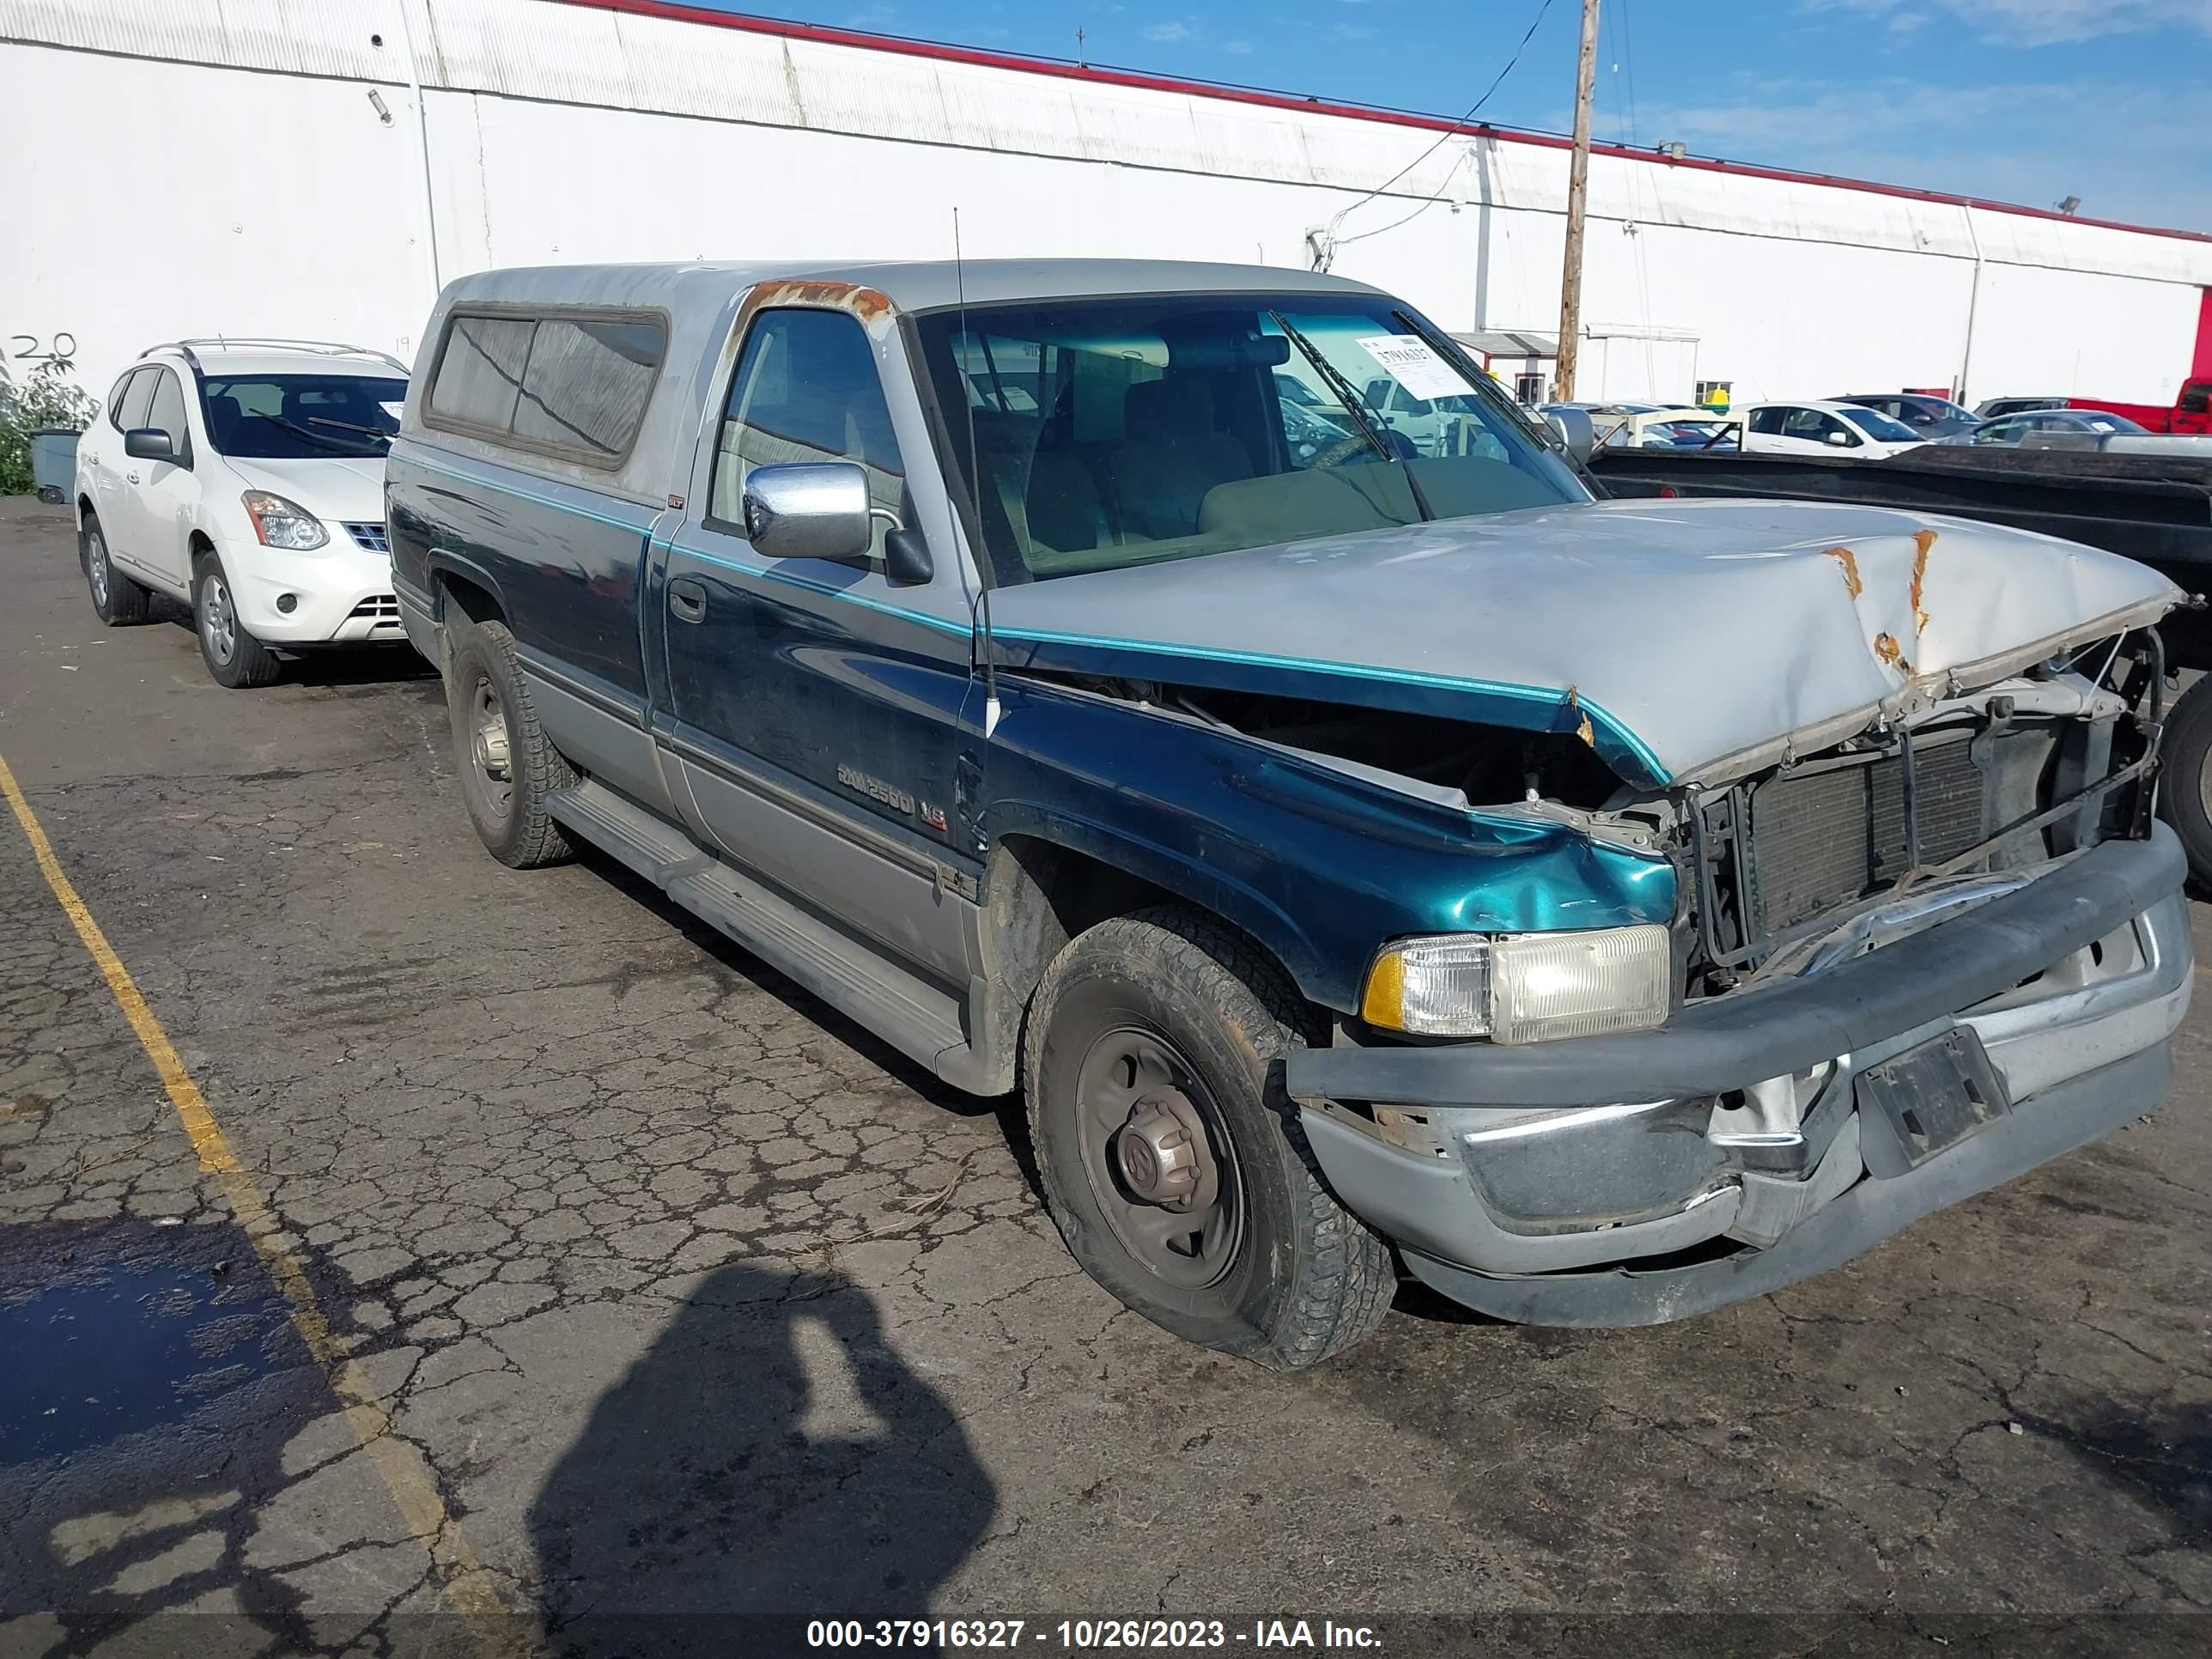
(336, 488)
(1687, 641)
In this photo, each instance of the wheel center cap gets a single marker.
(1162, 1152)
(491, 752)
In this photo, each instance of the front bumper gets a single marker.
(1529, 1181)
(342, 593)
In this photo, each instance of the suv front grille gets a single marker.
(370, 536)
(382, 608)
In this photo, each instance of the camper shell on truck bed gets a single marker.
(1361, 847)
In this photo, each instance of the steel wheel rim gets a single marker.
(1124, 1069)
(96, 567)
(2204, 784)
(491, 774)
(218, 621)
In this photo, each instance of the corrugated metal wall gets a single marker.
(238, 151)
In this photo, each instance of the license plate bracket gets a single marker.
(1931, 1097)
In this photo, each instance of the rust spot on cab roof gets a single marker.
(1850, 561)
(1888, 649)
(867, 304)
(1922, 539)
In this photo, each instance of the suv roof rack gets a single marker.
(319, 347)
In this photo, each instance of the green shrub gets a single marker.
(46, 397)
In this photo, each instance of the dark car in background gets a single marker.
(1990, 409)
(1930, 417)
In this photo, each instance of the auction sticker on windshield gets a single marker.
(1415, 365)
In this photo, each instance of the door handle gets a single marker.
(687, 599)
(132, 476)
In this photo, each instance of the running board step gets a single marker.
(906, 1011)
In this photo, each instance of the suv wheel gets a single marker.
(233, 657)
(116, 600)
(507, 765)
(1174, 1168)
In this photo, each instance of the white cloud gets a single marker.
(2033, 22)
(1240, 47)
(1353, 32)
(1165, 32)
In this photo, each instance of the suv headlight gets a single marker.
(281, 523)
(1523, 987)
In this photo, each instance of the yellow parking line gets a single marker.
(468, 1588)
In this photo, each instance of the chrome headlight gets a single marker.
(280, 522)
(1523, 987)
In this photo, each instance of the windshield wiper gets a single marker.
(384, 433)
(312, 436)
(1341, 388)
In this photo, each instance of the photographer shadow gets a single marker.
(769, 1459)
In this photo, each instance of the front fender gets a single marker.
(1319, 865)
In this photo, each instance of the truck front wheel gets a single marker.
(1175, 1170)
(2184, 793)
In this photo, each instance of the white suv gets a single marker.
(246, 478)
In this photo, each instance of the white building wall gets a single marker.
(224, 170)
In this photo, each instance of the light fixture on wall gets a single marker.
(2068, 203)
(376, 102)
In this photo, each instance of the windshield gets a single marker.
(299, 417)
(1879, 426)
(1116, 431)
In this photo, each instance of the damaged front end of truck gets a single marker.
(1872, 912)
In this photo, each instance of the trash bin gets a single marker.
(53, 462)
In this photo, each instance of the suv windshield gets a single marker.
(1124, 431)
(297, 417)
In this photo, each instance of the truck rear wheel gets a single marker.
(2184, 795)
(507, 765)
(1174, 1169)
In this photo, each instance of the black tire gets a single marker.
(484, 688)
(2185, 776)
(233, 657)
(116, 600)
(1301, 1279)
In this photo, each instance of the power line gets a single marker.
(1450, 132)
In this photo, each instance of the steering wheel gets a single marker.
(1341, 451)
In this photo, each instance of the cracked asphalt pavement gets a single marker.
(686, 1297)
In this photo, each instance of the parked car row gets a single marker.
(1362, 851)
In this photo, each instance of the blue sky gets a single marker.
(2026, 101)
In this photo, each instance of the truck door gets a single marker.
(811, 707)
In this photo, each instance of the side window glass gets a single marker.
(115, 400)
(166, 410)
(479, 374)
(130, 409)
(1828, 429)
(1767, 421)
(586, 385)
(807, 389)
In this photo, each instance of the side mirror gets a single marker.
(149, 443)
(1841, 439)
(808, 510)
(1574, 431)
(2195, 399)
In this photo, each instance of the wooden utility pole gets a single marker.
(1570, 279)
